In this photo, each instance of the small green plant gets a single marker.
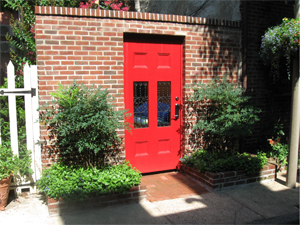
(222, 161)
(279, 151)
(72, 183)
(82, 122)
(223, 113)
(11, 164)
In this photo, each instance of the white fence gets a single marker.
(30, 93)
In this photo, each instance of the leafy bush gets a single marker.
(72, 183)
(220, 162)
(279, 151)
(82, 122)
(223, 113)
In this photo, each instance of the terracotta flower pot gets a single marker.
(4, 192)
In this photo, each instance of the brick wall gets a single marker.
(274, 100)
(219, 181)
(61, 206)
(87, 45)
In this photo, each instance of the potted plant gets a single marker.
(280, 42)
(10, 164)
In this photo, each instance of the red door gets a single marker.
(153, 95)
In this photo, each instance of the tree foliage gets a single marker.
(22, 42)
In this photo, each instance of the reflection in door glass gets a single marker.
(163, 103)
(141, 117)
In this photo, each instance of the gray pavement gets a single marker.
(267, 203)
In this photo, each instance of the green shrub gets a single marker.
(82, 122)
(72, 183)
(224, 161)
(223, 113)
(279, 151)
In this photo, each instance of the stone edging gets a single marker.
(57, 207)
(65, 11)
(219, 181)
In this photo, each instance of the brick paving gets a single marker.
(170, 185)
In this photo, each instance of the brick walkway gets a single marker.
(170, 185)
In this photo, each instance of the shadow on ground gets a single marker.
(256, 203)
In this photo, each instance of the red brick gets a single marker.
(44, 37)
(81, 53)
(82, 43)
(74, 67)
(59, 68)
(79, 23)
(50, 22)
(110, 43)
(136, 188)
(66, 52)
(102, 38)
(73, 37)
(89, 58)
(65, 22)
(74, 57)
(89, 67)
(67, 62)
(59, 47)
(45, 88)
(74, 48)
(96, 43)
(89, 48)
(82, 72)
(81, 33)
(67, 42)
(52, 62)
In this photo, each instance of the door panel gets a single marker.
(152, 77)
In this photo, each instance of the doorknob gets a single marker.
(176, 111)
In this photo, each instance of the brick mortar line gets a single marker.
(64, 11)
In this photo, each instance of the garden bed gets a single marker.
(57, 207)
(221, 180)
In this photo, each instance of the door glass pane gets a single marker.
(163, 103)
(141, 117)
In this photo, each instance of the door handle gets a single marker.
(176, 111)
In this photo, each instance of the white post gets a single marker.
(28, 114)
(291, 178)
(36, 124)
(12, 109)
